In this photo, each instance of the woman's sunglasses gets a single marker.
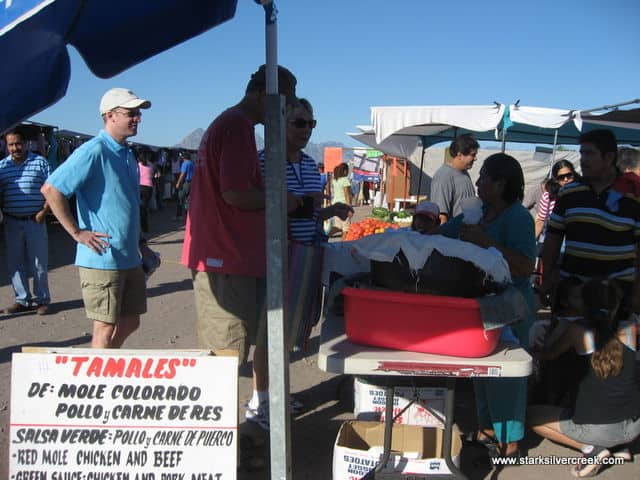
(300, 123)
(564, 176)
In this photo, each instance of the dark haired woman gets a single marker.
(564, 173)
(507, 227)
(606, 413)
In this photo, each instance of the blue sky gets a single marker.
(349, 55)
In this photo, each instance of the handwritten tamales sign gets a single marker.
(110, 415)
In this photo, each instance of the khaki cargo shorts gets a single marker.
(111, 294)
(231, 311)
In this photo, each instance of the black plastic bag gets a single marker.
(440, 275)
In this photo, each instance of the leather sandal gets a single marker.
(486, 441)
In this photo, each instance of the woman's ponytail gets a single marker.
(602, 300)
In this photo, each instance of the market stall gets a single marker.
(338, 354)
(373, 327)
(409, 131)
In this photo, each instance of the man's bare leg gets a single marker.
(113, 335)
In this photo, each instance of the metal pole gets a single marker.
(611, 107)
(276, 233)
(504, 139)
(421, 167)
(555, 144)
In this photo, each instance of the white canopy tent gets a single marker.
(403, 146)
(407, 131)
(434, 122)
(564, 127)
(497, 122)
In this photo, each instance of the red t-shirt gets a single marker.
(219, 237)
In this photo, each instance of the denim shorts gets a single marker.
(605, 435)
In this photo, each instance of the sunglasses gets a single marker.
(300, 123)
(564, 176)
(129, 113)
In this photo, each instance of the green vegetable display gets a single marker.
(380, 212)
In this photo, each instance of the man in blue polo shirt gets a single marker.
(103, 174)
(22, 173)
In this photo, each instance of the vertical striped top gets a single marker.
(301, 181)
(20, 185)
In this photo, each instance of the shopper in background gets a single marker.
(22, 174)
(451, 182)
(341, 188)
(175, 173)
(183, 185)
(564, 173)
(146, 172)
(629, 160)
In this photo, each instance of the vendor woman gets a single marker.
(508, 227)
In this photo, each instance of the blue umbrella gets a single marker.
(111, 36)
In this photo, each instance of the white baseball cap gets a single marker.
(121, 97)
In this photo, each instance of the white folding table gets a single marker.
(401, 203)
(339, 355)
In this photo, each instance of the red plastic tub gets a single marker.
(417, 323)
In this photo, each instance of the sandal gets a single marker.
(591, 463)
(486, 441)
(623, 453)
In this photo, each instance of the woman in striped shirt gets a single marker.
(305, 230)
(303, 179)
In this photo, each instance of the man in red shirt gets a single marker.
(224, 243)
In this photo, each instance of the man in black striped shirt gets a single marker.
(599, 219)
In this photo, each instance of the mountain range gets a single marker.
(315, 150)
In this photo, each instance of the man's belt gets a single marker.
(18, 217)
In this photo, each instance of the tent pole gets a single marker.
(611, 107)
(421, 166)
(276, 250)
(504, 140)
(555, 144)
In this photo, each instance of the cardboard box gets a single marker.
(370, 401)
(416, 452)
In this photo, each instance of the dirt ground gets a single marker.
(170, 324)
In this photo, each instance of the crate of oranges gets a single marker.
(368, 226)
